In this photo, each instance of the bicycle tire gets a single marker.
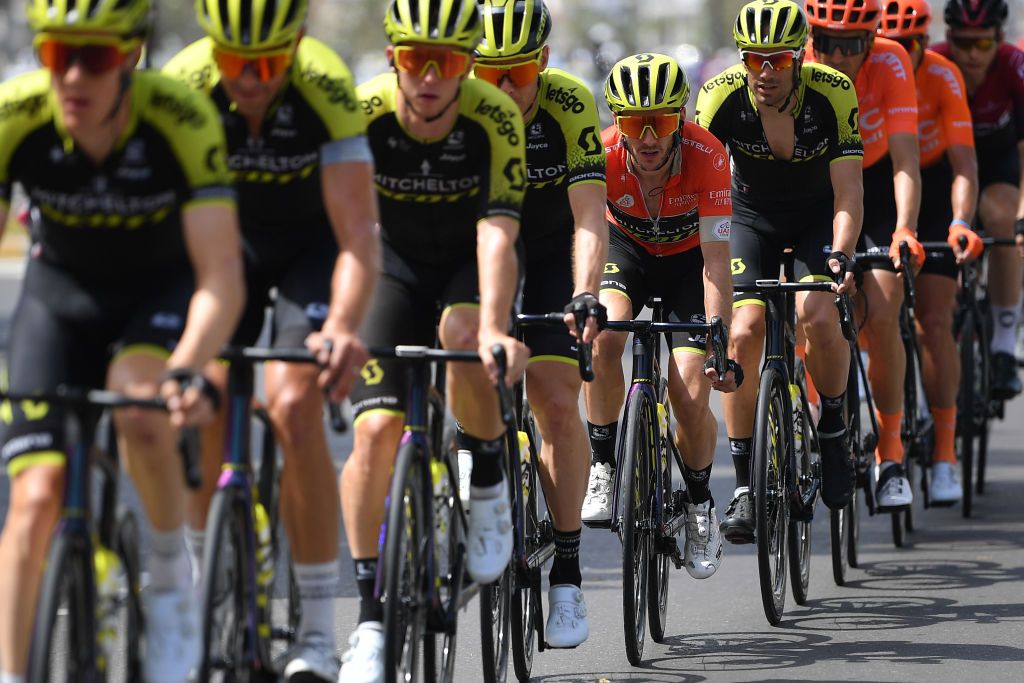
(439, 646)
(404, 605)
(67, 583)
(770, 497)
(126, 545)
(658, 571)
(837, 526)
(224, 593)
(984, 415)
(634, 502)
(495, 607)
(525, 581)
(966, 412)
(799, 532)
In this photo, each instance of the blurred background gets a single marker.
(588, 37)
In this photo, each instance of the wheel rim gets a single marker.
(776, 503)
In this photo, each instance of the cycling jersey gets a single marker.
(944, 117)
(315, 121)
(825, 130)
(563, 149)
(698, 188)
(885, 95)
(432, 193)
(120, 219)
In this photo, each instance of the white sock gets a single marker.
(195, 544)
(486, 492)
(317, 584)
(169, 566)
(1004, 328)
(6, 677)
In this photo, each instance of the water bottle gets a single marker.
(525, 463)
(264, 547)
(798, 431)
(663, 420)
(109, 579)
(442, 512)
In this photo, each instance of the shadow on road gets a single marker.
(934, 575)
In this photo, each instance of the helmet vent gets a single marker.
(245, 22)
(662, 81)
(780, 27)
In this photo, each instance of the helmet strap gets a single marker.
(124, 83)
(796, 85)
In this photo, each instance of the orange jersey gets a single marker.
(885, 95)
(944, 116)
(698, 188)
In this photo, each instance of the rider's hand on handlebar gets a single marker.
(597, 315)
(1018, 231)
(342, 356)
(192, 400)
(916, 250)
(516, 354)
(975, 246)
(841, 264)
(733, 376)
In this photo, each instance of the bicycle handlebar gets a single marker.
(584, 352)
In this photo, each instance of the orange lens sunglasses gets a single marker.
(418, 59)
(777, 61)
(520, 73)
(99, 58)
(660, 124)
(265, 66)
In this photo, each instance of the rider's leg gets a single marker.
(997, 208)
(940, 362)
(883, 292)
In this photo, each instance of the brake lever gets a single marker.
(584, 351)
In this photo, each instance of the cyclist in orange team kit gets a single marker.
(949, 195)
(843, 37)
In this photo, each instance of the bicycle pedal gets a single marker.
(598, 523)
(941, 503)
(888, 509)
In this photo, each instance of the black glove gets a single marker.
(588, 303)
(186, 377)
(1018, 227)
(736, 368)
(846, 265)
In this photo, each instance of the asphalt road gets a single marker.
(948, 608)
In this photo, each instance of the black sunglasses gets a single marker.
(827, 44)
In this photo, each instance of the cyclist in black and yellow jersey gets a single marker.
(304, 173)
(450, 176)
(566, 241)
(134, 282)
(791, 129)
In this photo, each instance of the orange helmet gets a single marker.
(845, 15)
(903, 18)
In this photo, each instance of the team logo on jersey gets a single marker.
(719, 162)
(723, 228)
(135, 152)
(626, 201)
(456, 140)
(285, 115)
(537, 130)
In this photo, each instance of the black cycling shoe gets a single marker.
(838, 474)
(738, 525)
(1005, 383)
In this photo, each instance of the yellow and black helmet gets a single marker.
(455, 23)
(129, 18)
(513, 28)
(770, 24)
(646, 82)
(252, 24)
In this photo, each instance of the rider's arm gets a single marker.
(590, 249)
(906, 175)
(498, 272)
(718, 280)
(1020, 204)
(848, 188)
(965, 182)
(212, 239)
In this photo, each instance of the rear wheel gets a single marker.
(658, 571)
(495, 604)
(770, 497)
(966, 406)
(526, 582)
(634, 501)
(127, 664)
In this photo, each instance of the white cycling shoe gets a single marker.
(173, 642)
(893, 491)
(489, 537)
(944, 487)
(567, 624)
(597, 505)
(703, 553)
(363, 662)
(311, 660)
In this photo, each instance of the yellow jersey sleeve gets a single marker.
(573, 106)
(499, 117)
(25, 105)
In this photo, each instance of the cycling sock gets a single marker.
(11, 678)
(740, 449)
(890, 443)
(698, 485)
(169, 566)
(370, 608)
(1004, 328)
(566, 567)
(812, 392)
(487, 460)
(945, 434)
(195, 543)
(317, 584)
(602, 442)
(831, 423)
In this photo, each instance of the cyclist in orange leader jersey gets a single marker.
(843, 37)
(949, 193)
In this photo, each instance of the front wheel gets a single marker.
(966, 413)
(495, 604)
(658, 571)
(770, 496)
(635, 503)
(126, 647)
(800, 531)
(526, 582)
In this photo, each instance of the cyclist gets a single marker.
(450, 175)
(994, 73)
(566, 242)
(669, 212)
(796, 151)
(843, 37)
(134, 281)
(949, 194)
(297, 147)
